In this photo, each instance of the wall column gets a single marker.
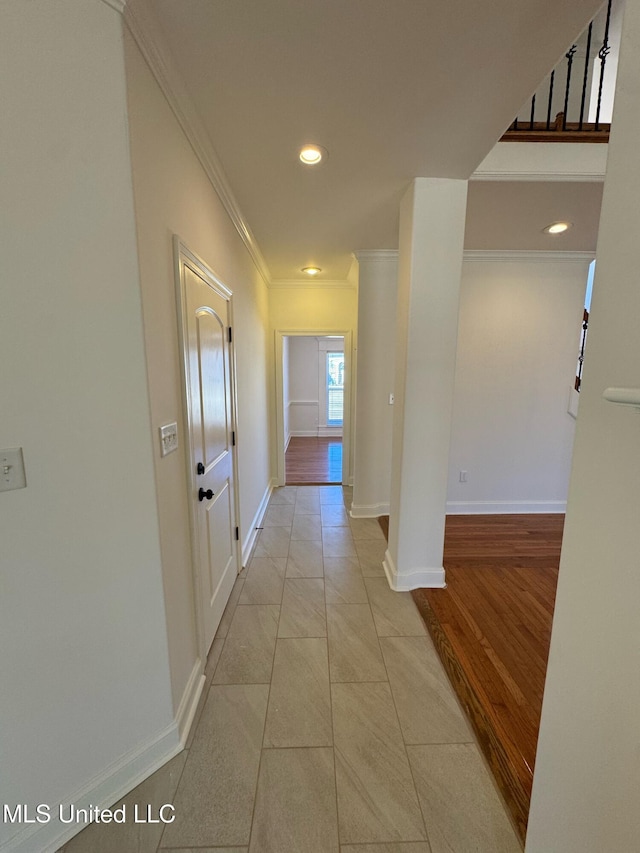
(587, 773)
(432, 219)
(377, 297)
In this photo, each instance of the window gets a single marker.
(335, 388)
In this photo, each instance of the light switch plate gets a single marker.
(168, 438)
(12, 475)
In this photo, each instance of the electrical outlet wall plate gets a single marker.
(168, 438)
(12, 474)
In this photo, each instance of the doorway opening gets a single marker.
(313, 370)
(313, 407)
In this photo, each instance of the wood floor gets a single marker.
(492, 629)
(313, 461)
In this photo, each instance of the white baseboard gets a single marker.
(319, 432)
(286, 444)
(189, 702)
(369, 510)
(416, 579)
(329, 432)
(250, 540)
(504, 507)
(102, 791)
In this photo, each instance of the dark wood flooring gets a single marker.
(313, 460)
(492, 628)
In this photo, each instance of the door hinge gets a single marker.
(233, 437)
(230, 335)
(237, 533)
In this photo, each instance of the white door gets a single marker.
(207, 341)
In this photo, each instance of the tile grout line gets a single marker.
(331, 683)
(333, 735)
(404, 746)
(195, 731)
(266, 713)
(387, 681)
(395, 708)
(197, 725)
(323, 576)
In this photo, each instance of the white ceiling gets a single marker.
(392, 88)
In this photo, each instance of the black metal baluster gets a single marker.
(585, 76)
(569, 55)
(553, 74)
(583, 342)
(561, 121)
(602, 54)
(533, 110)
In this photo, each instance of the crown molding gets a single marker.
(543, 256)
(149, 38)
(376, 255)
(550, 177)
(516, 255)
(118, 5)
(311, 284)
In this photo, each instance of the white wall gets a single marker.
(86, 701)
(304, 399)
(377, 296)
(174, 196)
(307, 392)
(551, 161)
(587, 775)
(518, 340)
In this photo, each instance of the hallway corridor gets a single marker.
(327, 722)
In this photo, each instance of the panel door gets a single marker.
(210, 400)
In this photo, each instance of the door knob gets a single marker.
(202, 494)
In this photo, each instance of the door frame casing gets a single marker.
(184, 257)
(349, 360)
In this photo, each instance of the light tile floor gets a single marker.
(327, 722)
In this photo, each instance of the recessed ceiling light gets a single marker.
(311, 270)
(312, 154)
(557, 227)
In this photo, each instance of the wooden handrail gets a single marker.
(559, 131)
